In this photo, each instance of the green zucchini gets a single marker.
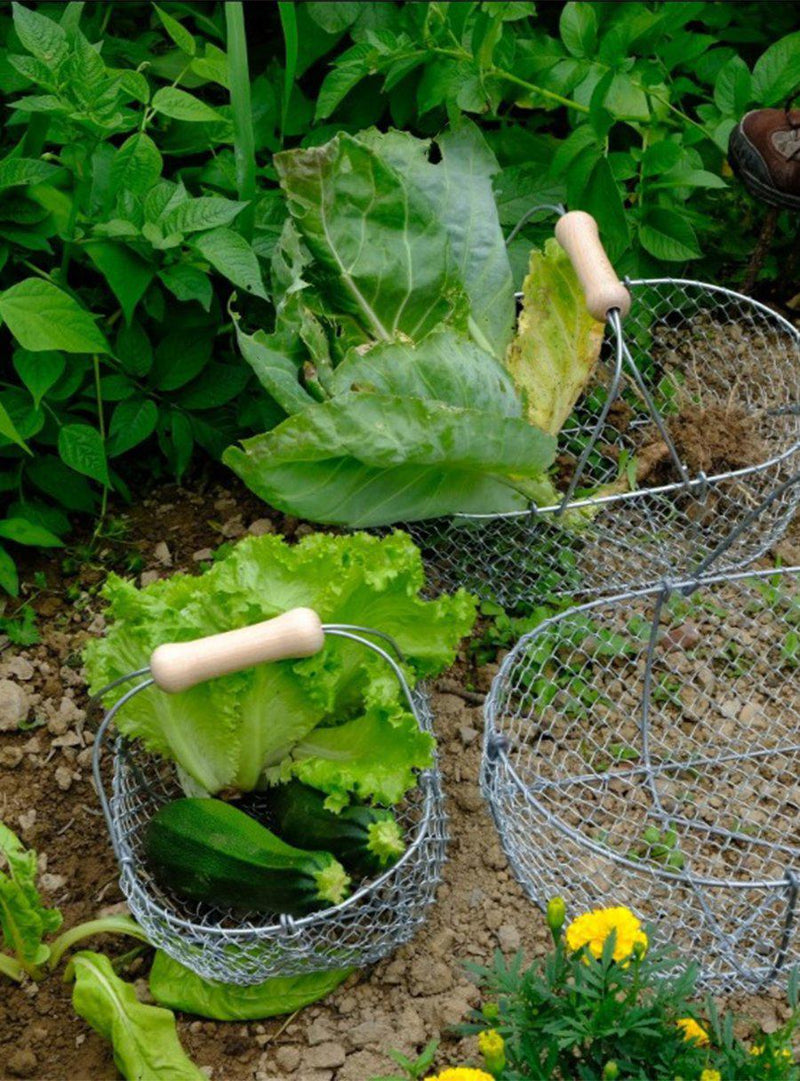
(366, 839)
(208, 850)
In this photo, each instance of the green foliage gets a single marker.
(571, 1015)
(128, 215)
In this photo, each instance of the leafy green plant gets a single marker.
(603, 1003)
(623, 110)
(116, 258)
(339, 705)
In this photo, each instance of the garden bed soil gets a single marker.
(46, 794)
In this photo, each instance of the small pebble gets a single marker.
(63, 777)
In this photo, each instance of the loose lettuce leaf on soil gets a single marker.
(558, 343)
(179, 988)
(367, 459)
(24, 920)
(225, 732)
(144, 1038)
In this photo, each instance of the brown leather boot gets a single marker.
(764, 152)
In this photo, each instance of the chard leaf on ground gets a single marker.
(555, 352)
(144, 1038)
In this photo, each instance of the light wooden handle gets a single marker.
(578, 235)
(176, 666)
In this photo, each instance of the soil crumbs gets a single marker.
(46, 794)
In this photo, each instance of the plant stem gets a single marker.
(289, 25)
(101, 423)
(11, 967)
(501, 73)
(243, 138)
(107, 925)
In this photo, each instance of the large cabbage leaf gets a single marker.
(226, 732)
(557, 346)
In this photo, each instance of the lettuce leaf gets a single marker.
(557, 346)
(144, 1038)
(173, 985)
(24, 920)
(226, 732)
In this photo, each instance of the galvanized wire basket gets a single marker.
(696, 403)
(237, 948)
(644, 750)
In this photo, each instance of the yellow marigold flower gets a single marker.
(492, 1046)
(593, 928)
(710, 1075)
(783, 1052)
(692, 1032)
(461, 1073)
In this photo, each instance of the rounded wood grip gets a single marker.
(578, 235)
(176, 666)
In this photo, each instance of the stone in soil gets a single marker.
(14, 705)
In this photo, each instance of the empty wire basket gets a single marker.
(693, 419)
(246, 949)
(643, 750)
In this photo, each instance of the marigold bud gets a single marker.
(492, 1046)
(556, 914)
(610, 1071)
(490, 1010)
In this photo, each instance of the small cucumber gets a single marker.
(366, 839)
(207, 850)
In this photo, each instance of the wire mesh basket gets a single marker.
(643, 750)
(249, 948)
(695, 410)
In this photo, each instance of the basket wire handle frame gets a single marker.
(177, 666)
(609, 301)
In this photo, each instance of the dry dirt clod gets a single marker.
(261, 526)
(203, 554)
(162, 554)
(19, 668)
(23, 1063)
(14, 705)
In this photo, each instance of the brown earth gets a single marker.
(46, 795)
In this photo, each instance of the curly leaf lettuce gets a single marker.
(227, 732)
(24, 920)
(557, 346)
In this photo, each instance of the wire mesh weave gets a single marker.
(643, 750)
(720, 374)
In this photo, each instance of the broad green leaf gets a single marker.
(38, 371)
(341, 79)
(37, 71)
(9, 579)
(180, 105)
(667, 235)
(776, 74)
(133, 83)
(133, 421)
(179, 357)
(52, 477)
(660, 157)
(733, 88)
(9, 429)
(15, 171)
(278, 373)
(24, 920)
(444, 367)
(555, 352)
(216, 385)
(81, 448)
(682, 177)
(212, 65)
(367, 459)
(144, 1039)
(231, 255)
(41, 103)
(179, 34)
(40, 35)
(41, 316)
(127, 273)
(179, 988)
(181, 442)
(602, 198)
(136, 166)
(578, 28)
(382, 248)
(187, 283)
(206, 212)
(460, 191)
(21, 531)
(334, 18)
(133, 348)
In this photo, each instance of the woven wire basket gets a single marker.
(696, 403)
(249, 948)
(643, 750)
